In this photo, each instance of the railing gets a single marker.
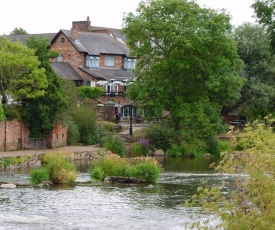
(36, 143)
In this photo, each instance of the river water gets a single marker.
(124, 207)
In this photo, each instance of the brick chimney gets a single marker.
(80, 26)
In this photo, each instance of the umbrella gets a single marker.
(102, 82)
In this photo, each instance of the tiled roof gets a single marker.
(23, 38)
(97, 43)
(116, 33)
(65, 71)
(108, 74)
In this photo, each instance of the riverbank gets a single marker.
(28, 152)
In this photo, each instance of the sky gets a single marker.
(49, 16)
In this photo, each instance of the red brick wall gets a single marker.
(69, 53)
(13, 135)
(118, 61)
(58, 137)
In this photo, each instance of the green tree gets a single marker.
(21, 76)
(42, 113)
(18, 31)
(265, 13)
(187, 56)
(258, 94)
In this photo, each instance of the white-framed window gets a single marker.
(109, 61)
(59, 58)
(92, 61)
(88, 82)
(129, 63)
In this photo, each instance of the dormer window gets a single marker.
(109, 61)
(129, 63)
(92, 61)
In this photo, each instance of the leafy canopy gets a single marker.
(258, 94)
(21, 76)
(18, 31)
(186, 56)
(42, 113)
(265, 13)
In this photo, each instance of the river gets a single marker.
(123, 207)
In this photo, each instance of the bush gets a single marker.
(73, 134)
(175, 151)
(114, 144)
(60, 167)
(196, 148)
(112, 165)
(20, 160)
(147, 171)
(160, 135)
(139, 150)
(39, 175)
(9, 161)
(62, 171)
(85, 119)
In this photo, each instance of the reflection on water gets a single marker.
(159, 206)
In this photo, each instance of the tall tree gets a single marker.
(18, 31)
(21, 75)
(258, 93)
(42, 113)
(188, 62)
(265, 12)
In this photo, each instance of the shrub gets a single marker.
(97, 174)
(112, 165)
(60, 167)
(62, 171)
(175, 151)
(114, 144)
(73, 134)
(85, 119)
(139, 150)
(160, 135)
(225, 146)
(9, 161)
(39, 175)
(196, 148)
(20, 160)
(146, 171)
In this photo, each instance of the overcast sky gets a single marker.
(49, 16)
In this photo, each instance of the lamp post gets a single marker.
(131, 119)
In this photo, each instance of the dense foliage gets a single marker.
(42, 113)
(258, 93)
(58, 168)
(87, 92)
(143, 168)
(265, 11)
(83, 126)
(249, 200)
(21, 74)
(187, 63)
(18, 31)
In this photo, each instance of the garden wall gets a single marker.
(14, 135)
